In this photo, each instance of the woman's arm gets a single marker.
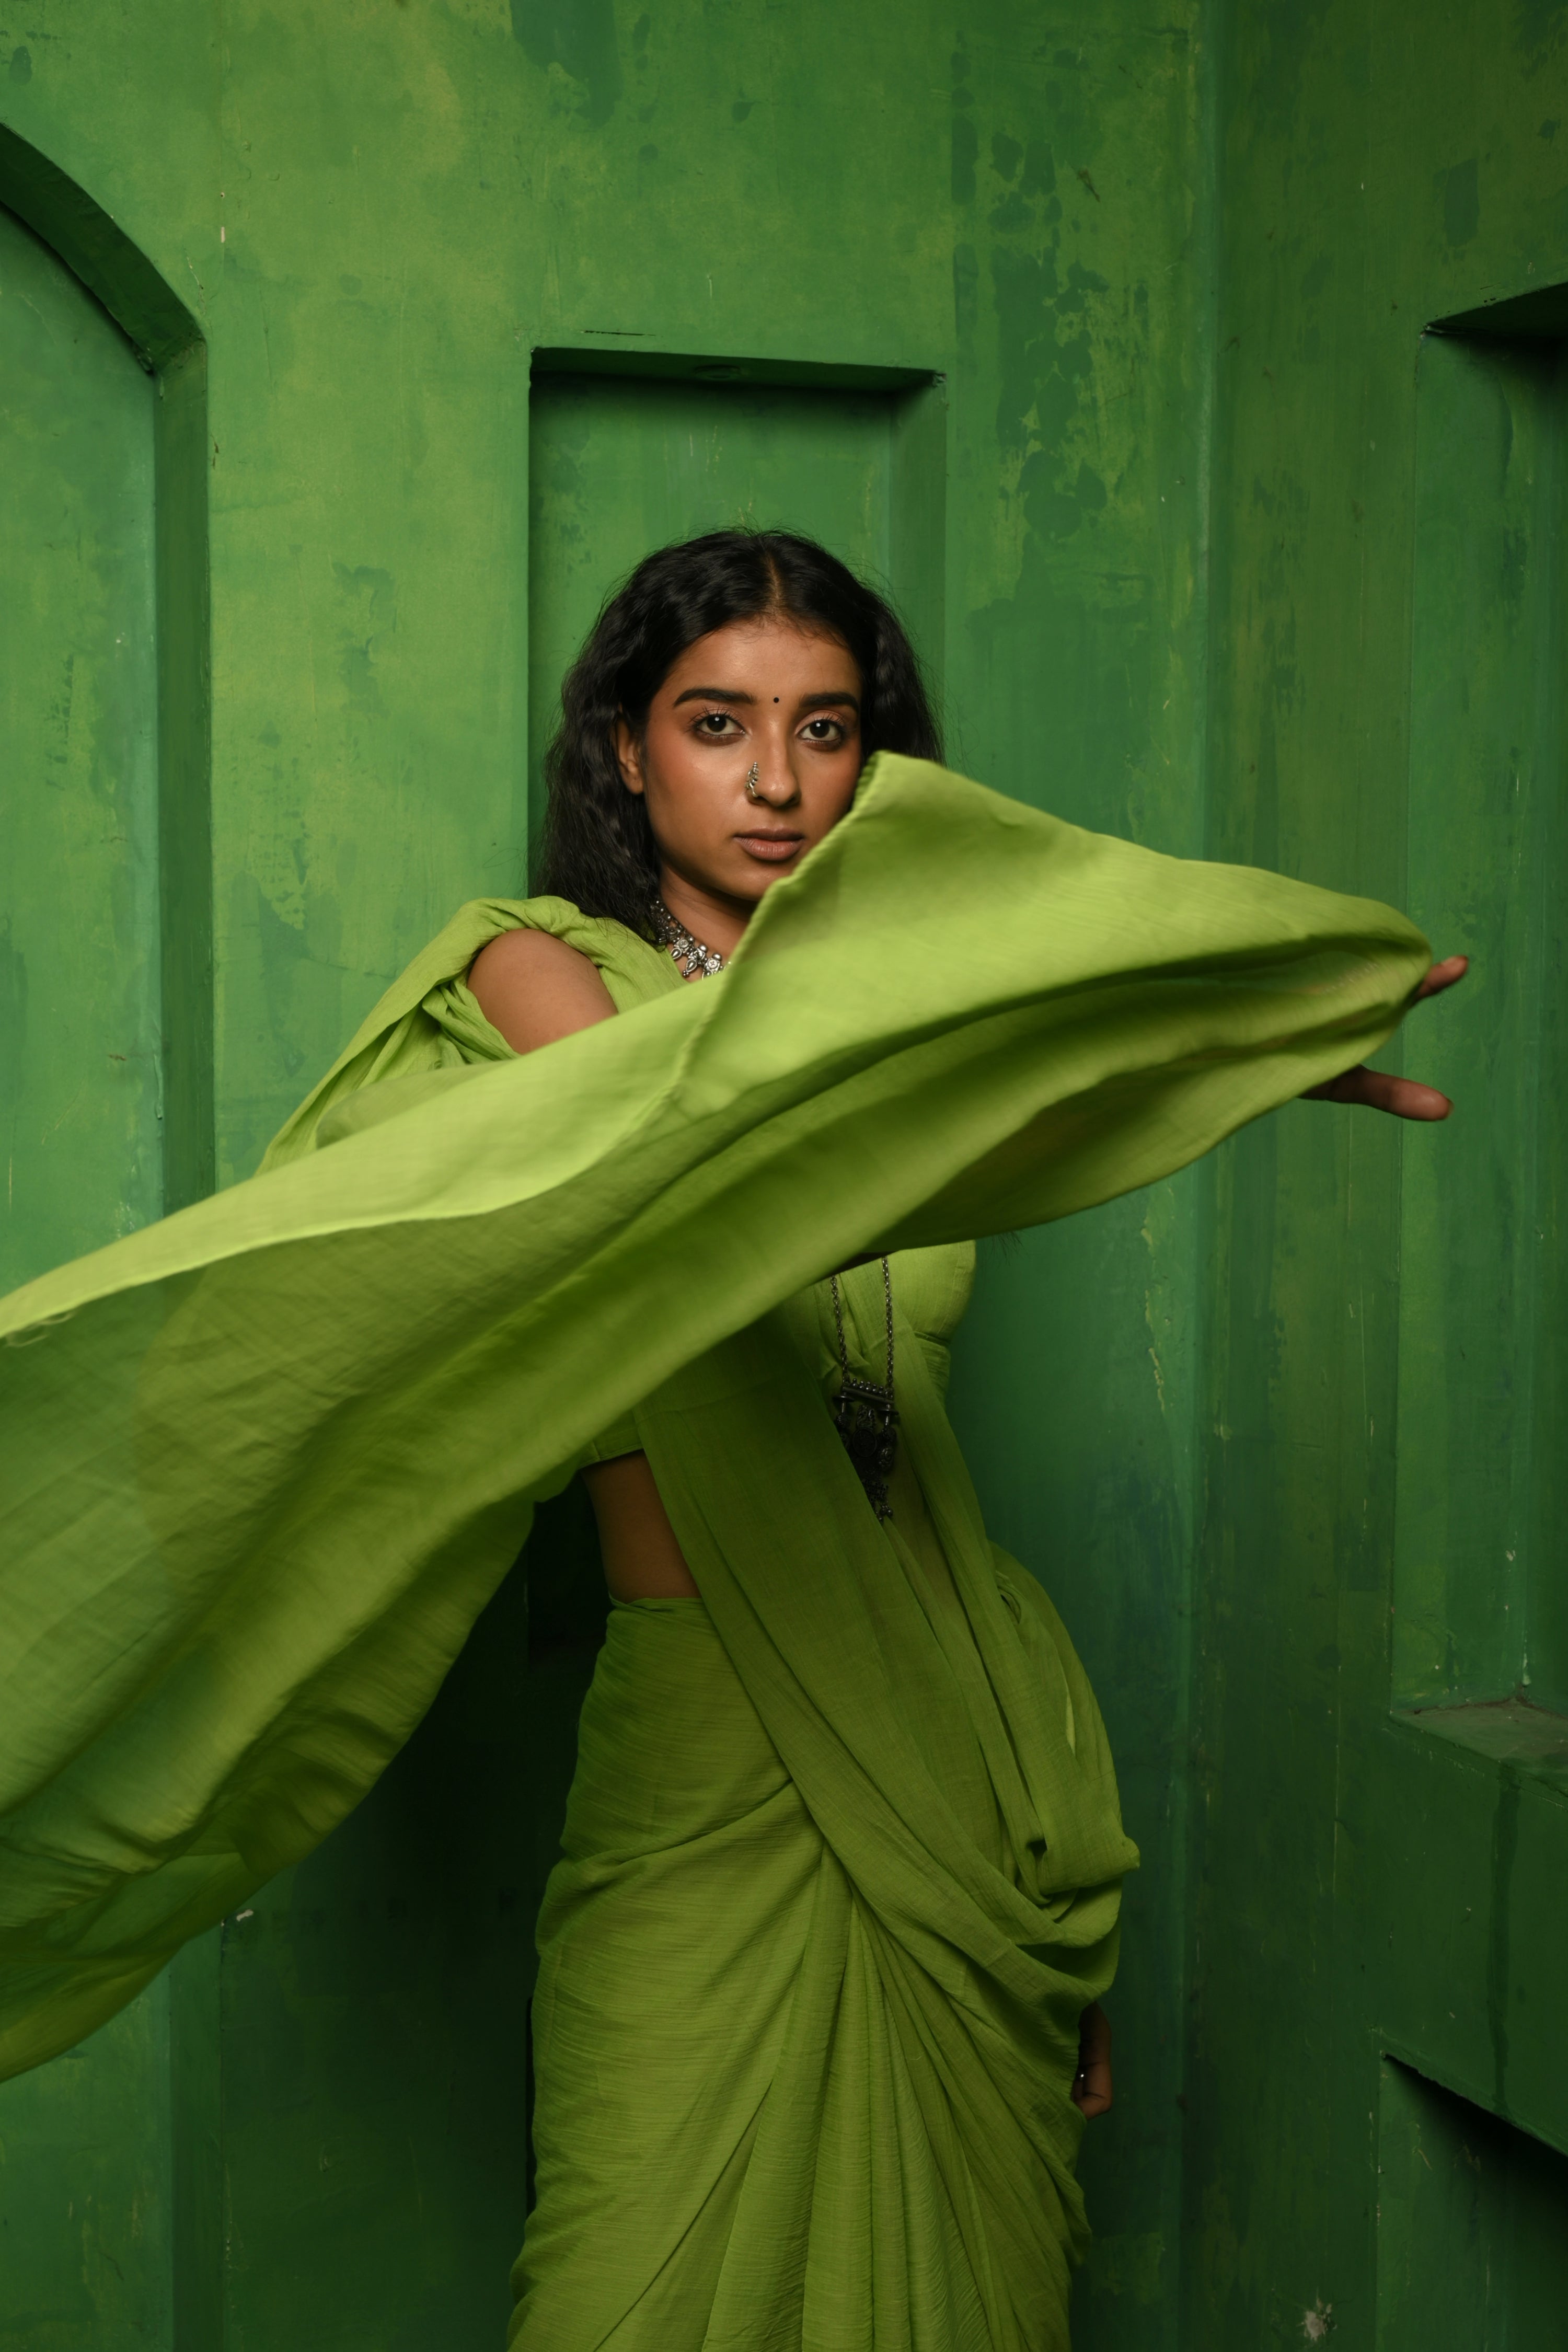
(642, 1557)
(533, 988)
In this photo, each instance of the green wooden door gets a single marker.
(78, 810)
(84, 2196)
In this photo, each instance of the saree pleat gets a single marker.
(983, 1851)
(843, 1856)
(661, 2002)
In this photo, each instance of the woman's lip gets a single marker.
(773, 848)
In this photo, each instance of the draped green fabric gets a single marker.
(842, 1870)
(842, 1857)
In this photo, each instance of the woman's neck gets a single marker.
(711, 915)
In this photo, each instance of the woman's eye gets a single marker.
(823, 731)
(714, 723)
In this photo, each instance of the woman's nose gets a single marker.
(771, 782)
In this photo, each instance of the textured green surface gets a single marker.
(1482, 1598)
(101, 531)
(86, 2229)
(1360, 1884)
(1472, 2246)
(79, 818)
(87, 2237)
(185, 747)
(340, 2103)
(1174, 273)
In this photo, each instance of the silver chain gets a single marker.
(690, 954)
(864, 1413)
(838, 1318)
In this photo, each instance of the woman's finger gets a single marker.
(1401, 1098)
(1375, 1090)
(1443, 975)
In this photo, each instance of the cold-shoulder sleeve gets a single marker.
(430, 1019)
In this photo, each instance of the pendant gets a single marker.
(866, 1419)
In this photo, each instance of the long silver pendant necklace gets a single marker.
(688, 953)
(864, 1412)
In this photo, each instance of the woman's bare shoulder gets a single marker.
(534, 988)
(535, 953)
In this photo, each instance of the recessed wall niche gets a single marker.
(629, 450)
(1481, 1597)
(1471, 2248)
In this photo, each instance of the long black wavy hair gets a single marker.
(598, 848)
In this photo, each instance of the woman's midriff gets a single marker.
(642, 1556)
(643, 1560)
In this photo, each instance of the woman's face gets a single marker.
(763, 691)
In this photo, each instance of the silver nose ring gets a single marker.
(752, 779)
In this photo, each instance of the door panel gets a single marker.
(618, 465)
(80, 1096)
(85, 2213)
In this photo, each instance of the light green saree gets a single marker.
(842, 1857)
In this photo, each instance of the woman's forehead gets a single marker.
(793, 656)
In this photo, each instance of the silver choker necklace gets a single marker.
(688, 953)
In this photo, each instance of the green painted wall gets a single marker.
(81, 1119)
(1163, 284)
(1378, 1430)
(1482, 1601)
(1453, 2181)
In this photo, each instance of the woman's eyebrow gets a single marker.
(733, 694)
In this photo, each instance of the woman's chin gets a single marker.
(761, 863)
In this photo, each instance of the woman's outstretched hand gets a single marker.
(1406, 1098)
(1091, 2084)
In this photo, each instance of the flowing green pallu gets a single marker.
(842, 1856)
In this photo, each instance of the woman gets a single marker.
(842, 1862)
